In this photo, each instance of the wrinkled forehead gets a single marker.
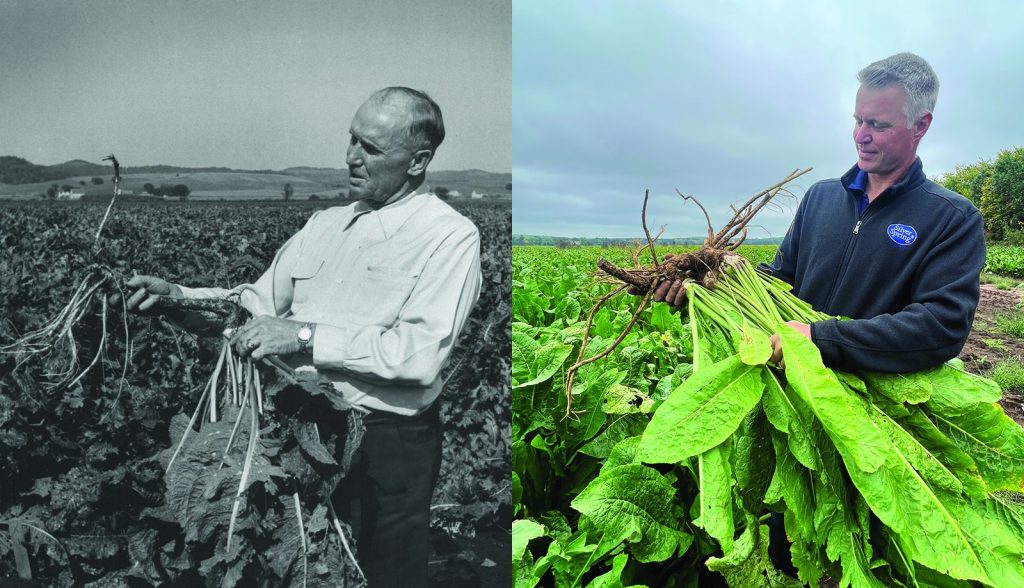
(381, 121)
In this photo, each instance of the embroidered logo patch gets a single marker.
(902, 235)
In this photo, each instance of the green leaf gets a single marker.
(753, 460)
(913, 388)
(547, 360)
(716, 480)
(747, 564)
(568, 310)
(637, 502)
(959, 388)
(839, 522)
(952, 457)
(625, 426)
(625, 452)
(523, 531)
(755, 346)
(983, 431)
(920, 458)
(925, 521)
(524, 348)
(703, 412)
(843, 414)
(613, 577)
(588, 403)
(792, 484)
(625, 400)
(672, 381)
(791, 416)
(996, 537)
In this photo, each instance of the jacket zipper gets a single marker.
(844, 262)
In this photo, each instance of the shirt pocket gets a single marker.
(304, 274)
(376, 294)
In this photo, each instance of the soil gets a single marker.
(987, 346)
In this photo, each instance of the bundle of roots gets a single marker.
(703, 266)
(54, 342)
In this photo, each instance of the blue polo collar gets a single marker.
(859, 183)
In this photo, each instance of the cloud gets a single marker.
(721, 100)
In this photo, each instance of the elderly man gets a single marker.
(373, 295)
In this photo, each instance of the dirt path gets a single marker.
(987, 346)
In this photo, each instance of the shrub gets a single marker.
(1009, 374)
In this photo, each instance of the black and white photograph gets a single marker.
(255, 293)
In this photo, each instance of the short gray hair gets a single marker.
(909, 72)
(426, 125)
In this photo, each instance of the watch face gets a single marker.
(304, 334)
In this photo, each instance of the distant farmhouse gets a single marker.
(69, 195)
(481, 196)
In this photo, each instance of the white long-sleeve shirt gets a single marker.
(389, 291)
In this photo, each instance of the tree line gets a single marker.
(996, 187)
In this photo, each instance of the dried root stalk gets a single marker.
(703, 266)
(54, 342)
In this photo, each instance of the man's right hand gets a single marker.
(147, 289)
(671, 291)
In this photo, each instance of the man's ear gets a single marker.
(420, 161)
(922, 125)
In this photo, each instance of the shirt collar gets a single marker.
(392, 216)
(859, 181)
(913, 178)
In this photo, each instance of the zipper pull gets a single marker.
(856, 228)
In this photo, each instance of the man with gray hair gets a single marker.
(883, 244)
(373, 296)
(895, 252)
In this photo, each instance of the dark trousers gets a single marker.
(779, 550)
(386, 497)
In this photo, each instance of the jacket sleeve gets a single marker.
(783, 266)
(932, 328)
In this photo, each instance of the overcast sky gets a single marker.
(248, 84)
(721, 99)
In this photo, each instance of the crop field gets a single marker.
(1005, 260)
(601, 497)
(84, 499)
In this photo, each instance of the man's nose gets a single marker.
(862, 134)
(353, 155)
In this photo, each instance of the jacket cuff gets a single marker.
(824, 334)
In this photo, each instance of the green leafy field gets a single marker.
(84, 499)
(663, 475)
(1005, 260)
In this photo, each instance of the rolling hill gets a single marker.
(21, 179)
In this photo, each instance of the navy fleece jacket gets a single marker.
(905, 270)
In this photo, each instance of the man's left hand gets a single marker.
(802, 328)
(266, 335)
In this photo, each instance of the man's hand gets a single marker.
(147, 290)
(671, 291)
(802, 328)
(266, 335)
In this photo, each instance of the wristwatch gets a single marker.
(304, 335)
